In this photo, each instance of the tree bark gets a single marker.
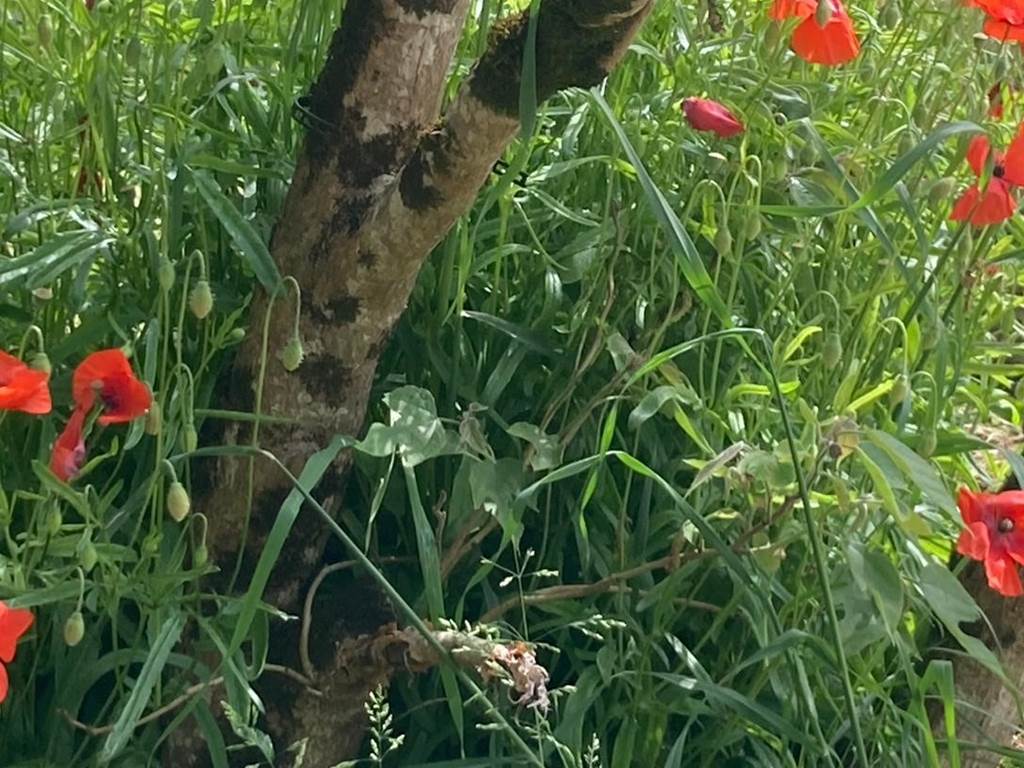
(379, 182)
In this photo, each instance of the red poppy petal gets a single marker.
(133, 400)
(835, 43)
(995, 205)
(792, 9)
(708, 115)
(97, 367)
(1013, 163)
(967, 503)
(977, 154)
(1003, 31)
(1003, 576)
(14, 622)
(69, 449)
(974, 541)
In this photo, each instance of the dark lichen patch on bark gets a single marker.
(326, 378)
(363, 23)
(366, 258)
(341, 310)
(573, 48)
(423, 8)
(432, 157)
(362, 162)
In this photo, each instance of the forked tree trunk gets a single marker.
(378, 184)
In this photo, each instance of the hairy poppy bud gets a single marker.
(104, 7)
(773, 34)
(52, 522)
(178, 502)
(928, 442)
(40, 362)
(165, 274)
(189, 438)
(200, 556)
(74, 629)
(753, 226)
(900, 390)
(723, 241)
(133, 52)
(200, 300)
(44, 29)
(292, 354)
(832, 351)
(88, 557)
(941, 190)
(236, 335)
(154, 420)
(823, 13)
(891, 15)
(151, 544)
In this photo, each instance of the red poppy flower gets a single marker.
(995, 536)
(22, 388)
(832, 44)
(792, 9)
(707, 115)
(69, 448)
(1013, 163)
(996, 202)
(108, 373)
(14, 622)
(1005, 18)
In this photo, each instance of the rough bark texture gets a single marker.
(378, 184)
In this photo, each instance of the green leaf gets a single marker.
(242, 234)
(918, 471)
(124, 726)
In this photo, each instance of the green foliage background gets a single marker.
(613, 376)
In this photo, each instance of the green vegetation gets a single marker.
(686, 413)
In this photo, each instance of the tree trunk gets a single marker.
(378, 183)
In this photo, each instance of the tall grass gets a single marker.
(641, 462)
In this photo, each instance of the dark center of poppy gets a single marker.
(111, 401)
(1005, 525)
(998, 171)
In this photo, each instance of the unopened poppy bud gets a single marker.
(189, 438)
(178, 502)
(74, 629)
(832, 351)
(823, 13)
(907, 142)
(165, 274)
(53, 521)
(292, 354)
(900, 390)
(154, 420)
(200, 556)
(773, 34)
(133, 52)
(928, 442)
(200, 300)
(89, 557)
(723, 241)
(40, 362)
(236, 335)
(779, 169)
(941, 190)
(753, 226)
(891, 15)
(44, 29)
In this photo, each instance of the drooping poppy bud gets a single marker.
(200, 300)
(40, 362)
(154, 421)
(832, 351)
(710, 116)
(89, 557)
(292, 354)
(165, 274)
(178, 502)
(44, 29)
(74, 629)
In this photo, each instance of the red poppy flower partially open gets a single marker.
(707, 115)
(69, 448)
(1013, 163)
(832, 44)
(14, 622)
(995, 536)
(792, 9)
(109, 375)
(997, 202)
(1005, 20)
(22, 388)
